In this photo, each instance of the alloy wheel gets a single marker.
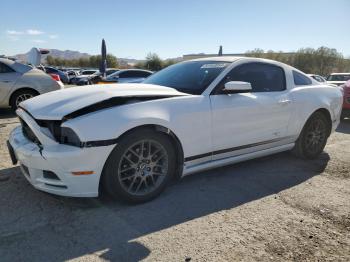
(315, 136)
(143, 167)
(22, 98)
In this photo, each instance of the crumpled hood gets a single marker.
(55, 105)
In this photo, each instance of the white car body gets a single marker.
(212, 130)
(24, 77)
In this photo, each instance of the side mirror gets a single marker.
(237, 87)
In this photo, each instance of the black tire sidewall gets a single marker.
(110, 180)
(305, 151)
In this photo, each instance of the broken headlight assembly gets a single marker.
(63, 135)
(69, 137)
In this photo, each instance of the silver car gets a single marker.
(129, 76)
(19, 82)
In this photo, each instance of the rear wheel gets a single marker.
(313, 137)
(139, 167)
(20, 96)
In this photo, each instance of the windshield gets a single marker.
(21, 68)
(115, 74)
(338, 78)
(189, 77)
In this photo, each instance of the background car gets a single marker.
(318, 78)
(338, 78)
(19, 82)
(71, 74)
(63, 75)
(83, 76)
(346, 100)
(110, 71)
(129, 76)
(132, 139)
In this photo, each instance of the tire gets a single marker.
(20, 96)
(342, 116)
(313, 137)
(137, 177)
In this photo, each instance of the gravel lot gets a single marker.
(274, 208)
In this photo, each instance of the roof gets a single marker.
(219, 58)
(231, 59)
(134, 69)
(18, 67)
(7, 61)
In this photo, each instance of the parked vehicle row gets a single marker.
(113, 76)
(131, 139)
(63, 76)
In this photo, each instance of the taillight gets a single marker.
(55, 77)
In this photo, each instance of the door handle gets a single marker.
(5, 81)
(284, 102)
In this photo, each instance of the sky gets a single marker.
(172, 28)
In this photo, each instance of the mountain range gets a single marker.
(69, 54)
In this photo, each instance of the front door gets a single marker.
(256, 120)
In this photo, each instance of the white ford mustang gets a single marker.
(130, 139)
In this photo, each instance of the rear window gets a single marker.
(301, 79)
(5, 69)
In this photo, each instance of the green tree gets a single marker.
(168, 62)
(153, 62)
(257, 52)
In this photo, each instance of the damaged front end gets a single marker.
(54, 130)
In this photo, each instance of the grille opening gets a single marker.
(50, 175)
(58, 186)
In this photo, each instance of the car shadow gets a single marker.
(344, 126)
(42, 225)
(6, 113)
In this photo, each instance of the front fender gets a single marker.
(188, 118)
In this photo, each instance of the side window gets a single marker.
(127, 74)
(300, 79)
(5, 69)
(263, 77)
(141, 74)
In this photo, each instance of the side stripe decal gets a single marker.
(226, 150)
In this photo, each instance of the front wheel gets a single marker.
(139, 167)
(21, 96)
(313, 137)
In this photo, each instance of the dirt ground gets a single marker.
(275, 208)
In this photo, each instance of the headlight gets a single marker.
(69, 137)
(63, 135)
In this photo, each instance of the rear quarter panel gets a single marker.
(308, 99)
(38, 81)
